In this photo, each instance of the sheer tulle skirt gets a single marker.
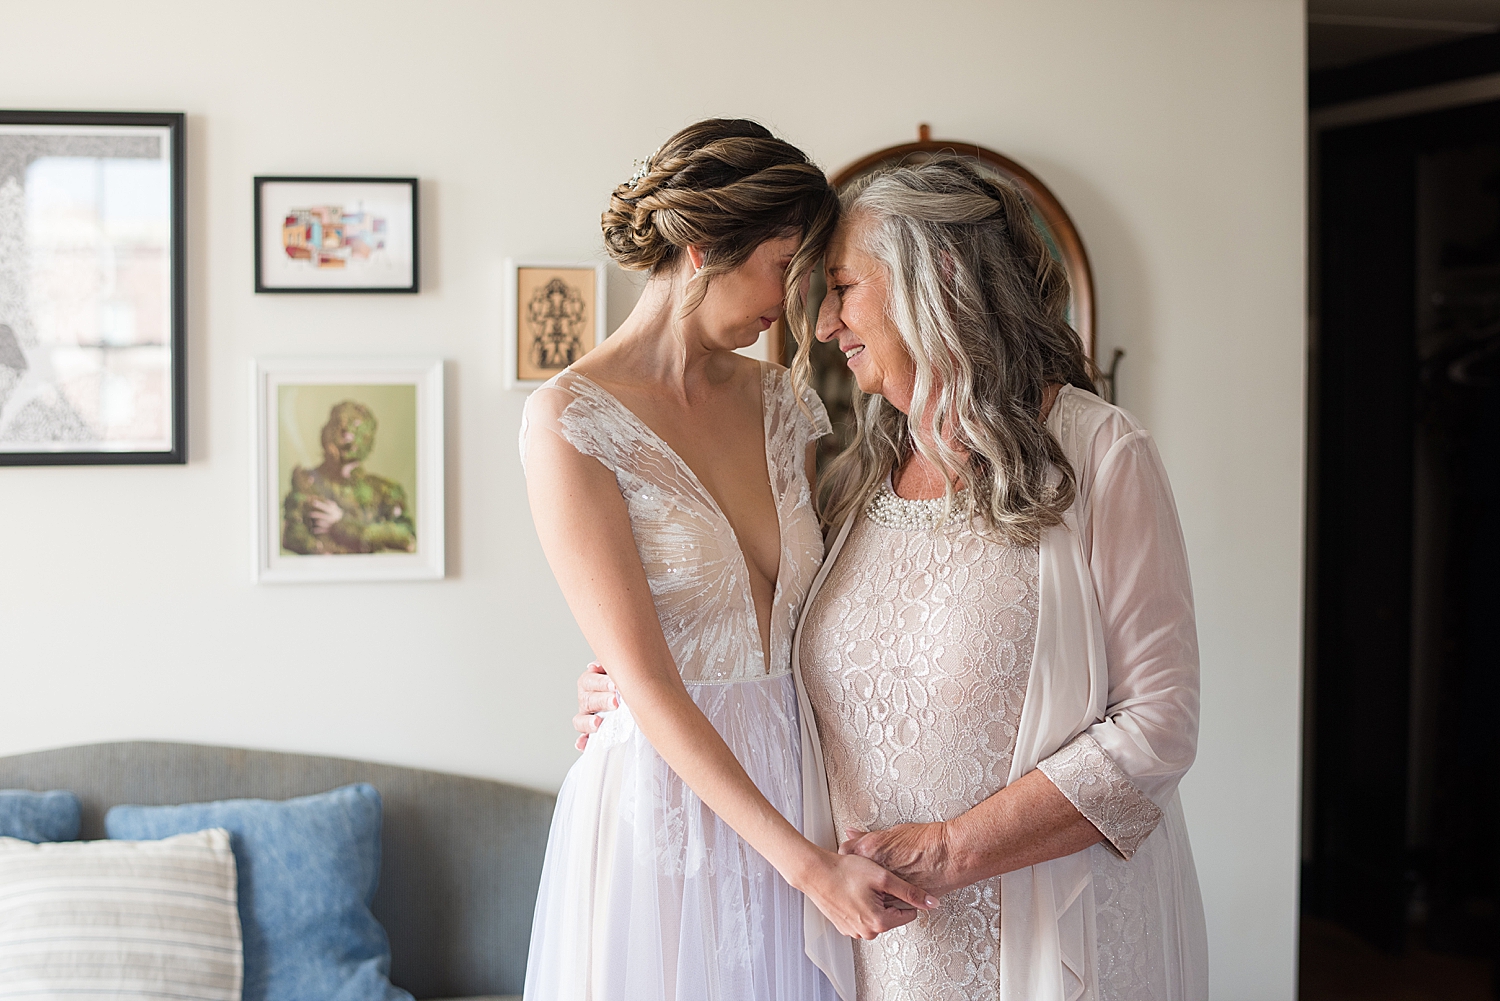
(647, 896)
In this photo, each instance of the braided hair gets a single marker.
(724, 185)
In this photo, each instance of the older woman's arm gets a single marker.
(1027, 822)
(1110, 781)
(1123, 769)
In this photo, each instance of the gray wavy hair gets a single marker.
(981, 305)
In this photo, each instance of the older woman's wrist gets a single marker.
(962, 850)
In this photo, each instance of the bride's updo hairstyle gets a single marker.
(724, 185)
(982, 308)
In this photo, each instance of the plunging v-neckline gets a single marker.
(764, 638)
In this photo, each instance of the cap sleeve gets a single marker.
(801, 411)
(543, 415)
(815, 417)
(570, 408)
(793, 420)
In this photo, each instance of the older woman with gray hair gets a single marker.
(998, 662)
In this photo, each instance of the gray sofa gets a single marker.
(460, 863)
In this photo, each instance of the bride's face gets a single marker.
(742, 303)
(854, 314)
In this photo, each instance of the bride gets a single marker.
(668, 479)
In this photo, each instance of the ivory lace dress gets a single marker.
(940, 665)
(915, 655)
(646, 895)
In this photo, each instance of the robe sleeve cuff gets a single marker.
(1102, 792)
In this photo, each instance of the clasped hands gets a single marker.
(921, 854)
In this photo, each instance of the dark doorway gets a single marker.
(1403, 668)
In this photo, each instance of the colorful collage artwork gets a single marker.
(331, 236)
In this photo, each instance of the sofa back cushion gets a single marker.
(39, 816)
(308, 868)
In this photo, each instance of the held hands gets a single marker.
(917, 852)
(596, 694)
(859, 897)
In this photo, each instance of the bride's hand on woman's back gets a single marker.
(596, 694)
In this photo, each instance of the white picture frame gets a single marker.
(351, 518)
(522, 372)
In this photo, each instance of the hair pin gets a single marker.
(642, 168)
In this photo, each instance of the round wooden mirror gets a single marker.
(830, 376)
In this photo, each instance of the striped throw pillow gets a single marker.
(128, 919)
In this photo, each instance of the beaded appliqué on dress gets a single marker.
(890, 510)
(916, 654)
(693, 561)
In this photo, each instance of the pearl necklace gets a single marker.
(888, 510)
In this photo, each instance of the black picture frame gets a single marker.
(262, 282)
(176, 124)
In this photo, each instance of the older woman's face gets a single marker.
(854, 314)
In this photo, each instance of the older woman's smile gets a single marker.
(854, 315)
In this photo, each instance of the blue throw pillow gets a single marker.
(39, 816)
(308, 869)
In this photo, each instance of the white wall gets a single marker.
(1173, 132)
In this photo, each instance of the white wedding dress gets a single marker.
(646, 895)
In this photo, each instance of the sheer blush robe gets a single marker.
(1112, 692)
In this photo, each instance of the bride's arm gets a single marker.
(585, 532)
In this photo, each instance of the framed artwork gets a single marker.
(348, 469)
(92, 288)
(336, 234)
(554, 315)
(830, 374)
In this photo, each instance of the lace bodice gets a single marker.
(693, 561)
(915, 656)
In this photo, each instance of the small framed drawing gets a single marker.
(348, 469)
(554, 315)
(92, 289)
(335, 234)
